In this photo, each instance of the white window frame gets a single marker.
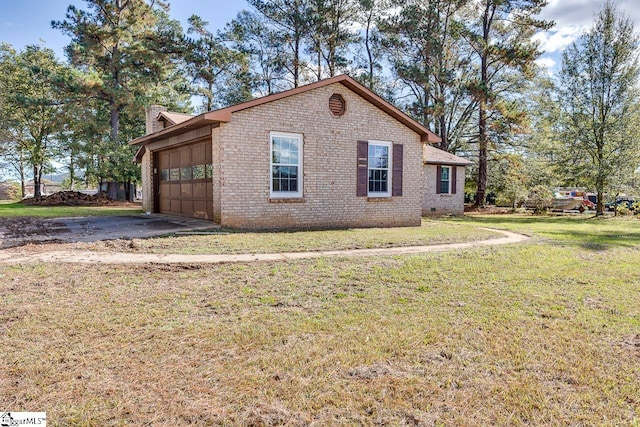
(389, 146)
(286, 194)
(448, 181)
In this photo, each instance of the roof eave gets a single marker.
(451, 163)
(194, 123)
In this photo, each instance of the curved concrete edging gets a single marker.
(88, 257)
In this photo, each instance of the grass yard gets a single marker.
(16, 209)
(230, 242)
(542, 333)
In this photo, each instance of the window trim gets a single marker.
(440, 181)
(287, 194)
(389, 169)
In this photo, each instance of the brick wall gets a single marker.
(150, 115)
(146, 172)
(330, 154)
(442, 204)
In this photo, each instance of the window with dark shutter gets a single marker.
(363, 166)
(438, 179)
(396, 180)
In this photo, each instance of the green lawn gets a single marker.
(15, 209)
(541, 333)
(588, 231)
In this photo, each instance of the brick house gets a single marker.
(325, 155)
(444, 182)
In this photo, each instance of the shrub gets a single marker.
(540, 199)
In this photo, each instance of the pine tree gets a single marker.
(600, 100)
(127, 45)
(501, 36)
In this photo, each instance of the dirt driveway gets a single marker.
(24, 230)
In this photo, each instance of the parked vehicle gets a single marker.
(621, 202)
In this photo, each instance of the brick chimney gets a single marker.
(151, 118)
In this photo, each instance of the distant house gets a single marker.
(328, 154)
(46, 187)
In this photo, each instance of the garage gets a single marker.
(186, 183)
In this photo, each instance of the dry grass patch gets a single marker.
(229, 242)
(532, 334)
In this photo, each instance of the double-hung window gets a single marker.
(379, 172)
(286, 164)
(379, 162)
(445, 180)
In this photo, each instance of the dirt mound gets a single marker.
(72, 198)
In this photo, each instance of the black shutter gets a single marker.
(363, 169)
(396, 180)
(438, 179)
(454, 176)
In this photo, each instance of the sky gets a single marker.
(24, 22)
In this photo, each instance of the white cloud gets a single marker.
(557, 39)
(546, 62)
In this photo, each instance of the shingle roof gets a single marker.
(436, 156)
(224, 114)
(174, 118)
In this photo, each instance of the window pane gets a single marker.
(164, 175)
(293, 185)
(444, 175)
(174, 174)
(185, 173)
(293, 152)
(209, 170)
(198, 172)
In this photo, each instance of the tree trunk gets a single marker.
(22, 178)
(482, 111)
(114, 121)
(444, 135)
(36, 182)
(72, 174)
(296, 61)
(599, 205)
(482, 156)
(368, 48)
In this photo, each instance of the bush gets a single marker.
(540, 199)
(622, 209)
(9, 190)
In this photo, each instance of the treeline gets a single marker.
(464, 68)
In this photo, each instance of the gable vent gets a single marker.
(337, 105)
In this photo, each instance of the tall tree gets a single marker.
(291, 19)
(127, 44)
(265, 47)
(330, 35)
(599, 80)
(369, 59)
(501, 36)
(32, 109)
(219, 73)
(434, 64)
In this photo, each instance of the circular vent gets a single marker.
(337, 105)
